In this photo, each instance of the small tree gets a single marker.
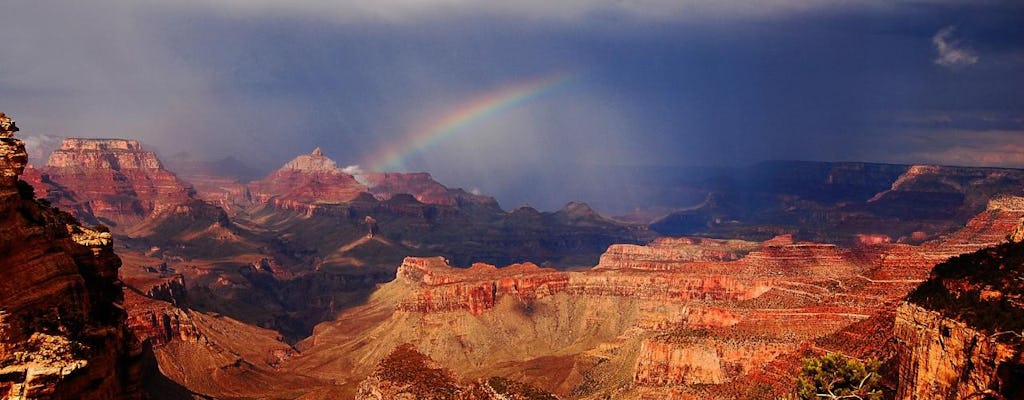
(834, 376)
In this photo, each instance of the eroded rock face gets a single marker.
(114, 181)
(674, 361)
(308, 179)
(684, 317)
(959, 333)
(944, 358)
(13, 157)
(408, 374)
(421, 186)
(62, 327)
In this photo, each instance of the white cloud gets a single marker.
(352, 170)
(952, 52)
(39, 147)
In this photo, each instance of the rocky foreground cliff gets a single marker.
(960, 332)
(62, 326)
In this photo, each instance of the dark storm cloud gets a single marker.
(658, 82)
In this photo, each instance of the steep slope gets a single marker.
(407, 373)
(113, 181)
(959, 333)
(308, 179)
(62, 327)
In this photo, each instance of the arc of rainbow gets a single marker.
(465, 114)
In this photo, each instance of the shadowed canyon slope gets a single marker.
(836, 202)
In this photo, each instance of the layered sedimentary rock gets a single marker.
(685, 317)
(407, 373)
(201, 353)
(944, 358)
(62, 328)
(674, 360)
(114, 181)
(664, 254)
(959, 333)
(420, 185)
(13, 157)
(840, 203)
(308, 179)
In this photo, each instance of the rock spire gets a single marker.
(13, 157)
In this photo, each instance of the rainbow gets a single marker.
(465, 114)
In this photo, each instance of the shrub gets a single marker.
(834, 376)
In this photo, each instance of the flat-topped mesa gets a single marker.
(438, 287)
(114, 181)
(13, 157)
(668, 254)
(802, 259)
(116, 154)
(475, 289)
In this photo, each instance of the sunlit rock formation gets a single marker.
(684, 317)
(113, 181)
(62, 326)
(959, 333)
(308, 179)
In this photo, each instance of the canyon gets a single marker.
(679, 318)
(313, 282)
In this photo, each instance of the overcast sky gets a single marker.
(655, 82)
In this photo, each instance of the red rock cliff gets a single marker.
(62, 327)
(112, 180)
(308, 179)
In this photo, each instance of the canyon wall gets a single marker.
(687, 318)
(959, 332)
(944, 358)
(62, 326)
(113, 181)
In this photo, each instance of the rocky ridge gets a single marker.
(959, 333)
(62, 326)
(113, 181)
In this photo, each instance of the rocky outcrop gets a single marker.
(114, 181)
(959, 333)
(408, 374)
(13, 157)
(689, 359)
(477, 289)
(944, 358)
(421, 186)
(666, 254)
(308, 179)
(62, 326)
